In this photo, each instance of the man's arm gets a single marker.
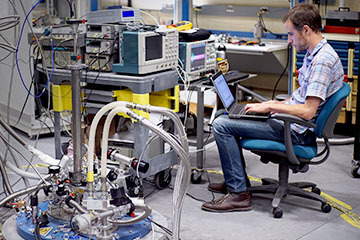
(306, 110)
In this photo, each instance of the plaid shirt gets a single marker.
(320, 76)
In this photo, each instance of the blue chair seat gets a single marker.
(306, 152)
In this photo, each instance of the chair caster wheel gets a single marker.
(316, 190)
(277, 212)
(162, 179)
(355, 171)
(195, 177)
(325, 207)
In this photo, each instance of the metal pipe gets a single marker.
(258, 96)
(121, 222)
(5, 178)
(50, 7)
(76, 121)
(78, 207)
(337, 141)
(12, 132)
(341, 4)
(124, 222)
(20, 193)
(184, 172)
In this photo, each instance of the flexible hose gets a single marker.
(181, 182)
(5, 178)
(21, 172)
(93, 127)
(20, 193)
(337, 141)
(124, 222)
(183, 175)
(120, 222)
(12, 132)
(42, 156)
(104, 142)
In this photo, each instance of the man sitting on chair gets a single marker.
(320, 76)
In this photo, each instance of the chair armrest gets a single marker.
(288, 119)
(293, 119)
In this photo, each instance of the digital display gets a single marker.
(94, 43)
(127, 13)
(197, 58)
(153, 47)
(223, 91)
(95, 28)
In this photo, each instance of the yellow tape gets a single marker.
(352, 218)
(215, 171)
(90, 176)
(36, 165)
(347, 215)
(336, 201)
(254, 179)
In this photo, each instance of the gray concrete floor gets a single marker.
(302, 218)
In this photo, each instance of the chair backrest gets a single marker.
(329, 113)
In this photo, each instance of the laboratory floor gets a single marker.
(302, 219)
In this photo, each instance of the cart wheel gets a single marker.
(355, 171)
(162, 179)
(316, 190)
(195, 177)
(277, 212)
(326, 208)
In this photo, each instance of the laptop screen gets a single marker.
(223, 90)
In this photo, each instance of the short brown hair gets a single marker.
(304, 14)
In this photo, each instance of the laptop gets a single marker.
(232, 107)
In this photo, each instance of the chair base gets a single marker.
(296, 189)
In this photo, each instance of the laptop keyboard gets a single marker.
(239, 109)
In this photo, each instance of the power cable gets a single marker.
(16, 56)
(283, 72)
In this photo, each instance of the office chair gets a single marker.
(297, 157)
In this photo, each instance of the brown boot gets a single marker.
(218, 187)
(230, 202)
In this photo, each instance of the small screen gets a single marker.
(153, 47)
(127, 13)
(94, 43)
(224, 91)
(197, 58)
(95, 28)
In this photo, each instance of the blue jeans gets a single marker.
(227, 133)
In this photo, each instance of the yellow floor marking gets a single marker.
(348, 215)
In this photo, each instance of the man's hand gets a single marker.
(257, 107)
(306, 110)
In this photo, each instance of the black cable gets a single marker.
(32, 81)
(267, 30)
(100, 67)
(37, 230)
(71, 9)
(165, 229)
(6, 56)
(188, 194)
(149, 194)
(48, 127)
(283, 72)
(191, 90)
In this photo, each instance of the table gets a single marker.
(139, 84)
(270, 58)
